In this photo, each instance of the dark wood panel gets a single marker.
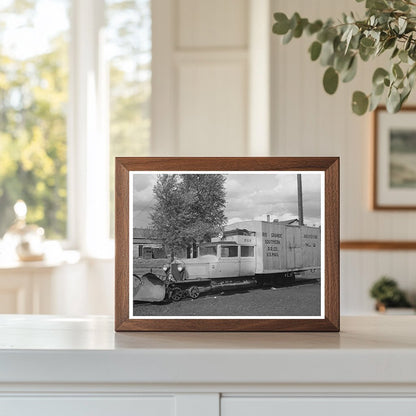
(378, 245)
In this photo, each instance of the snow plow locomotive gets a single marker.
(249, 254)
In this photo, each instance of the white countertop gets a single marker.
(50, 349)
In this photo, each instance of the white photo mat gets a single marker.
(322, 271)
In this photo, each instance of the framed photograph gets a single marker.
(394, 179)
(227, 244)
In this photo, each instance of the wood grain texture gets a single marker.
(330, 165)
(378, 245)
(121, 244)
(376, 205)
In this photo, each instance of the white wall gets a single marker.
(211, 98)
(200, 77)
(308, 122)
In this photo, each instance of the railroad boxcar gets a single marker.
(281, 247)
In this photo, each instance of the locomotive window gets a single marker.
(229, 251)
(247, 251)
(208, 251)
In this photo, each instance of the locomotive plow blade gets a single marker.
(148, 288)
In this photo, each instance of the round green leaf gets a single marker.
(403, 56)
(378, 90)
(281, 27)
(379, 75)
(367, 42)
(294, 20)
(374, 102)
(298, 30)
(327, 54)
(330, 80)
(314, 27)
(376, 4)
(359, 103)
(288, 37)
(395, 52)
(351, 71)
(366, 53)
(322, 36)
(389, 43)
(397, 71)
(393, 101)
(342, 61)
(315, 50)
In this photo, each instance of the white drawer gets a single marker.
(87, 406)
(274, 406)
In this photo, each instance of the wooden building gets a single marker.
(147, 245)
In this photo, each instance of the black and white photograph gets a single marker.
(226, 244)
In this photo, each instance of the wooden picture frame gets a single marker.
(327, 168)
(391, 178)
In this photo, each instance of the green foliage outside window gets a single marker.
(129, 37)
(33, 100)
(34, 103)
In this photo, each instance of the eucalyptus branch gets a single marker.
(389, 25)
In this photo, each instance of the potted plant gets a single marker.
(387, 294)
(389, 27)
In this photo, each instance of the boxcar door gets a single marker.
(298, 248)
(290, 247)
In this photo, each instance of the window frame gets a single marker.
(87, 130)
(229, 246)
(251, 249)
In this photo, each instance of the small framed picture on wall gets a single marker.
(394, 177)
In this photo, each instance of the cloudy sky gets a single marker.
(249, 196)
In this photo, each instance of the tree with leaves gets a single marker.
(33, 98)
(389, 26)
(34, 103)
(189, 209)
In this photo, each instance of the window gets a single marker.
(129, 45)
(208, 250)
(247, 251)
(75, 87)
(229, 251)
(33, 112)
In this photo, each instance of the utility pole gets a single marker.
(300, 199)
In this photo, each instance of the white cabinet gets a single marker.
(80, 366)
(270, 406)
(88, 406)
